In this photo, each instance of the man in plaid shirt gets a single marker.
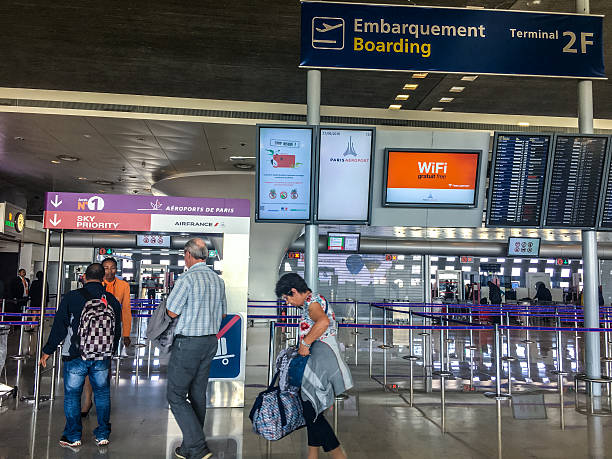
(198, 300)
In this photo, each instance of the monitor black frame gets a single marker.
(508, 255)
(318, 171)
(551, 138)
(474, 203)
(549, 182)
(313, 134)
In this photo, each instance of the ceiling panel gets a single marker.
(175, 129)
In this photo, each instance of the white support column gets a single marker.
(311, 238)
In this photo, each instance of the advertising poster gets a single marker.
(430, 179)
(345, 158)
(284, 173)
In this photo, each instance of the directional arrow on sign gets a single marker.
(55, 220)
(57, 201)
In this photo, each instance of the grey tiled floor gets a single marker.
(372, 423)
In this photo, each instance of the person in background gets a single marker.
(318, 330)
(542, 292)
(151, 286)
(20, 291)
(198, 300)
(36, 291)
(495, 293)
(76, 367)
(120, 289)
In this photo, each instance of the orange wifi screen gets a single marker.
(434, 177)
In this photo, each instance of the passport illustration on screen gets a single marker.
(282, 160)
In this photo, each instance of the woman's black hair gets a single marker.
(289, 281)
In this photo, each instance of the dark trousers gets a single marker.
(188, 371)
(320, 432)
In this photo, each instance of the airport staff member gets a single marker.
(120, 289)
(198, 300)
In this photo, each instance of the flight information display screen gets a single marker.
(518, 180)
(606, 212)
(575, 181)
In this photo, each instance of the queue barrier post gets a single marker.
(443, 374)
(471, 348)
(411, 357)
(508, 357)
(356, 332)
(498, 395)
(371, 340)
(271, 350)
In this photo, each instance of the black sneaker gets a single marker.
(69, 444)
(178, 452)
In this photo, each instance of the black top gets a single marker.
(67, 319)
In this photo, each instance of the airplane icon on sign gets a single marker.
(327, 28)
(327, 33)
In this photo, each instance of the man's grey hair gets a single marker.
(197, 248)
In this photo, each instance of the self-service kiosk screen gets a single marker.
(284, 174)
(575, 182)
(518, 178)
(431, 178)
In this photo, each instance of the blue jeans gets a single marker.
(188, 371)
(74, 377)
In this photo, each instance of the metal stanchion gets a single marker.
(356, 333)
(59, 365)
(57, 358)
(411, 357)
(498, 395)
(371, 340)
(339, 398)
(138, 343)
(385, 347)
(443, 374)
(508, 357)
(41, 323)
(471, 348)
(499, 428)
(560, 374)
(271, 350)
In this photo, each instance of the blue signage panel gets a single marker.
(451, 40)
(226, 363)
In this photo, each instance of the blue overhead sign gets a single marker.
(451, 40)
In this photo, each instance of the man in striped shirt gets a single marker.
(198, 300)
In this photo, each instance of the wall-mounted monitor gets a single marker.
(343, 242)
(518, 179)
(605, 214)
(344, 175)
(152, 240)
(284, 174)
(575, 181)
(431, 178)
(524, 247)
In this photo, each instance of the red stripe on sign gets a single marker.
(97, 221)
(228, 325)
